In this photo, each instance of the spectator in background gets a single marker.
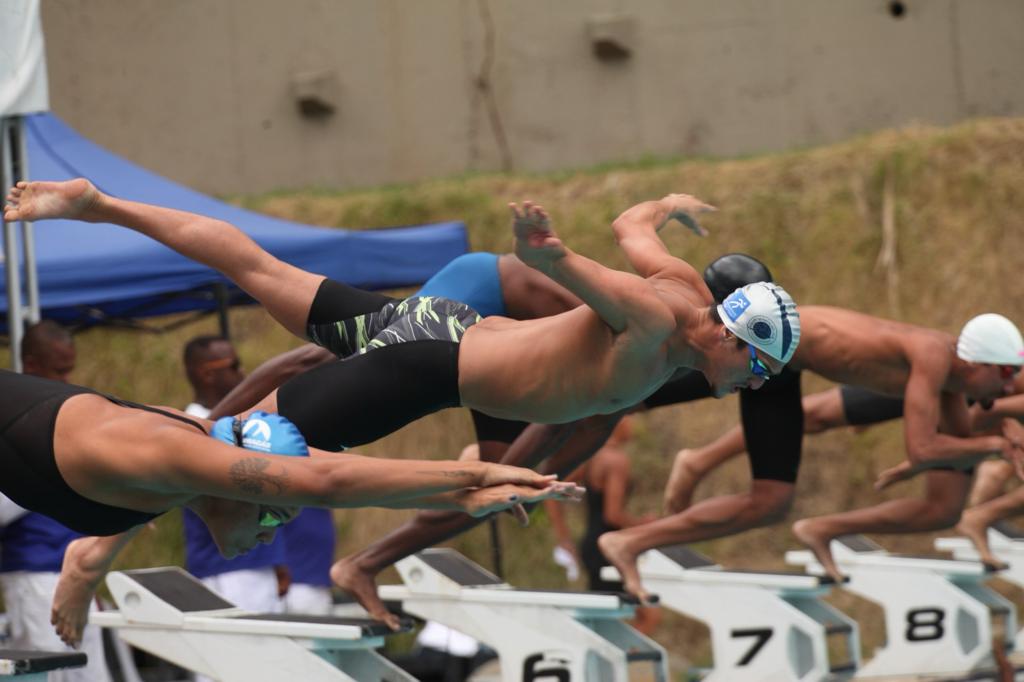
(303, 571)
(254, 581)
(32, 545)
(48, 351)
(309, 551)
(213, 369)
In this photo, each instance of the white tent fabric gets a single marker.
(23, 84)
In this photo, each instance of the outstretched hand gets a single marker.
(536, 243)
(685, 208)
(484, 501)
(501, 474)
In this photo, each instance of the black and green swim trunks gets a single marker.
(417, 318)
(398, 361)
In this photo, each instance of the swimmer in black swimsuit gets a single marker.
(104, 466)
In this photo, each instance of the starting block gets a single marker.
(764, 625)
(1007, 543)
(938, 614)
(538, 634)
(33, 666)
(171, 614)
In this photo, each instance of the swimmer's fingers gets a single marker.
(502, 474)
(567, 491)
(518, 512)
(480, 502)
(687, 203)
(686, 208)
(561, 491)
(692, 225)
(900, 472)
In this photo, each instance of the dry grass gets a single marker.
(815, 216)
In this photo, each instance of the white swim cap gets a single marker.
(765, 316)
(991, 338)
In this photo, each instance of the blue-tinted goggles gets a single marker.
(758, 368)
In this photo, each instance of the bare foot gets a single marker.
(682, 481)
(977, 533)
(613, 546)
(818, 542)
(79, 578)
(42, 200)
(358, 582)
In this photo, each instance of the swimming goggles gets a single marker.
(757, 367)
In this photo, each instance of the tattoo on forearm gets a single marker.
(250, 475)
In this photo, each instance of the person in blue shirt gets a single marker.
(32, 545)
(309, 542)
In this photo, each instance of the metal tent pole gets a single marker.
(12, 276)
(220, 294)
(19, 147)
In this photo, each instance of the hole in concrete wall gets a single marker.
(612, 36)
(897, 9)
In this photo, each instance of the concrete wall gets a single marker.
(202, 90)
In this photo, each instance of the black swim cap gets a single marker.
(732, 271)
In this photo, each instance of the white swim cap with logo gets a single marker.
(765, 316)
(991, 338)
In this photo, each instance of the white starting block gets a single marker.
(1007, 543)
(764, 625)
(938, 614)
(538, 634)
(171, 614)
(33, 666)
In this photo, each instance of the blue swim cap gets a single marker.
(261, 432)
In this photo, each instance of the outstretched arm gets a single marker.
(268, 376)
(636, 231)
(936, 426)
(284, 290)
(171, 459)
(935, 423)
(620, 299)
(481, 502)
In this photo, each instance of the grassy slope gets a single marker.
(815, 216)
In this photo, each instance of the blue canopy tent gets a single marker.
(95, 274)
